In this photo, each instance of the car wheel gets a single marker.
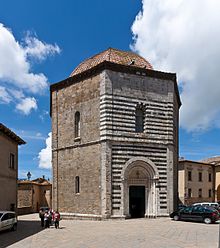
(207, 221)
(176, 217)
(14, 227)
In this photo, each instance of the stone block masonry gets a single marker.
(96, 169)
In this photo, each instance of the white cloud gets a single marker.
(29, 135)
(45, 155)
(26, 105)
(39, 134)
(184, 37)
(39, 49)
(17, 94)
(44, 115)
(4, 95)
(15, 67)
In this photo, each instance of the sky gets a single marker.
(41, 42)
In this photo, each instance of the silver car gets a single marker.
(8, 220)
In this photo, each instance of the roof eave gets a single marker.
(195, 162)
(115, 67)
(11, 135)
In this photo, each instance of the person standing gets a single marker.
(56, 219)
(41, 215)
(50, 213)
(46, 219)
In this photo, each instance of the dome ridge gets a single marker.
(113, 55)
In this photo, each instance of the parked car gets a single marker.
(196, 213)
(180, 206)
(206, 204)
(214, 205)
(8, 220)
(44, 209)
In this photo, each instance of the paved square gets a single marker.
(135, 233)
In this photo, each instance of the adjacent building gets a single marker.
(215, 162)
(33, 194)
(196, 182)
(9, 142)
(115, 139)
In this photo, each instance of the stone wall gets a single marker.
(120, 94)
(32, 196)
(107, 103)
(76, 156)
(24, 197)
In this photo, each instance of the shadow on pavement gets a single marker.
(25, 229)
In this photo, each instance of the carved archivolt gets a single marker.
(139, 168)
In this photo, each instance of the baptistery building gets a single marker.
(115, 139)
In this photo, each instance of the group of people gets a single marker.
(49, 217)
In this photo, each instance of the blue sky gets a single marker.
(52, 37)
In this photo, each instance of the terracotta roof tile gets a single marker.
(115, 56)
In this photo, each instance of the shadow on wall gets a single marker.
(25, 229)
(24, 210)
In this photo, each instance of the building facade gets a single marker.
(34, 194)
(115, 139)
(215, 162)
(9, 142)
(196, 182)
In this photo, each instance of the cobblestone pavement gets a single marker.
(135, 233)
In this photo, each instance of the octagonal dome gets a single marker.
(115, 56)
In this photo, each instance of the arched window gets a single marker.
(139, 120)
(77, 124)
(77, 184)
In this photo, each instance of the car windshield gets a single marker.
(186, 209)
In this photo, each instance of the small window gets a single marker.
(189, 193)
(200, 176)
(200, 193)
(77, 124)
(77, 185)
(12, 161)
(189, 175)
(210, 193)
(210, 177)
(139, 120)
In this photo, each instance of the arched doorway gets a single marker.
(139, 177)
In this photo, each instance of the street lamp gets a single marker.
(29, 175)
